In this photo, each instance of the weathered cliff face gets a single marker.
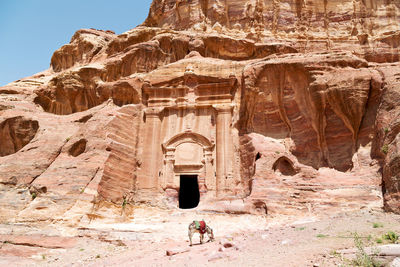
(368, 28)
(276, 106)
(317, 100)
(386, 146)
(16, 133)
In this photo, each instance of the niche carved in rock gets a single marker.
(78, 148)
(15, 133)
(285, 166)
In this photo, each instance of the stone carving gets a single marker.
(268, 106)
(194, 119)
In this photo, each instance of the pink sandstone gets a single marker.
(283, 107)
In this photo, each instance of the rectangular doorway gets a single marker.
(189, 195)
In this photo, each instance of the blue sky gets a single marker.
(31, 30)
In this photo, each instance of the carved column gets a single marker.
(151, 150)
(210, 178)
(202, 179)
(168, 175)
(224, 148)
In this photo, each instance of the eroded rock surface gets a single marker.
(280, 107)
(16, 133)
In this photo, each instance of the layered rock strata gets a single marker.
(286, 107)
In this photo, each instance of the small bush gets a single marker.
(379, 240)
(377, 225)
(33, 195)
(334, 253)
(362, 258)
(391, 236)
(385, 148)
(386, 130)
(300, 229)
(322, 236)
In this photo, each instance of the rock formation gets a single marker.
(278, 107)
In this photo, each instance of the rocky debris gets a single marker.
(385, 250)
(395, 262)
(174, 251)
(228, 245)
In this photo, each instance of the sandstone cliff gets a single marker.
(315, 120)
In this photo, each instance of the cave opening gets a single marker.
(189, 194)
(78, 148)
(284, 166)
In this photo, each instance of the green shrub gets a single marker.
(385, 148)
(362, 258)
(322, 236)
(377, 225)
(124, 203)
(33, 195)
(391, 236)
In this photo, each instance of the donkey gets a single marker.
(201, 228)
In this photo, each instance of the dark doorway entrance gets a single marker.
(189, 195)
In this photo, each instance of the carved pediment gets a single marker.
(188, 137)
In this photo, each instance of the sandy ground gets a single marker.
(241, 240)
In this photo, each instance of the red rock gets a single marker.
(276, 107)
(20, 251)
(228, 245)
(39, 241)
(15, 134)
(174, 251)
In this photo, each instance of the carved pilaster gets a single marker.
(168, 177)
(151, 150)
(210, 181)
(224, 147)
